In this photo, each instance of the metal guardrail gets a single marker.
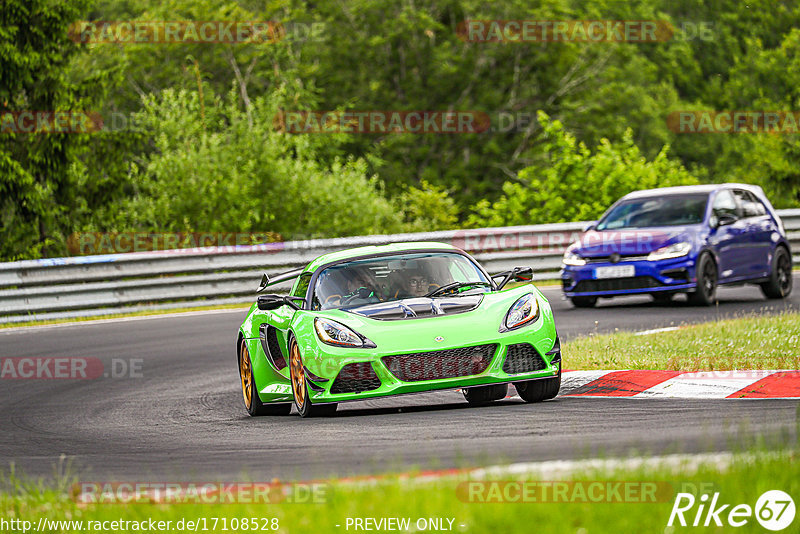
(104, 284)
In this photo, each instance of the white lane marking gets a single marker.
(678, 463)
(556, 469)
(563, 469)
(704, 385)
(33, 328)
(656, 331)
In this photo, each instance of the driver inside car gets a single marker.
(360, 285)
(414, 283)
(417, 284)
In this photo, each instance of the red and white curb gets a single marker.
(676, 384)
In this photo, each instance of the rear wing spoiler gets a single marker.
(267, 281)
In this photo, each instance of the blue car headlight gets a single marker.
(337, 334)
(570, 258)
(676, 250)
(522, 312)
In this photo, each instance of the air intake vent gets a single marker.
(522, 358)
(355, 378)
(439, 364)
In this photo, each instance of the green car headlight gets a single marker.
(672, 251)
(524, 310)
(337, 334)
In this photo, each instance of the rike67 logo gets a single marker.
(774, 510)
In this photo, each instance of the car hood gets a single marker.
(413, 308)
(434, 332)
(629, 242)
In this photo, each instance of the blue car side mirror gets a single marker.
(725, 220)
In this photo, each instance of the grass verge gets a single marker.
(636, 499)
(750, 342)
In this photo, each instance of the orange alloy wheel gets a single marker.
(246, 374)
(298, 377)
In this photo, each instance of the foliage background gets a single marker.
(207, 154)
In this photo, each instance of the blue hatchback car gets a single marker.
(680, 240)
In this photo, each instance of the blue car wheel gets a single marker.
(706, 292)
(779, 284)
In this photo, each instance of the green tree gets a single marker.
(576, 184)
(35, 193)
(766, 79)
(427, 208)
(219, 167)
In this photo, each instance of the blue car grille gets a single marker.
(622, 257)
(356, 377)
(616, 284)
(523, 358)
(440, 364)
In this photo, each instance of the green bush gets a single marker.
(217, 167)
(574, 183)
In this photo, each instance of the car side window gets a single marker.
(759, 207)
(302, 285)
(725, 204)
(751, 206)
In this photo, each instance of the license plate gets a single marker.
(616, 271)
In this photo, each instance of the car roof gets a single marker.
(373, 250)
(689, 189)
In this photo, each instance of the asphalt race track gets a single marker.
(182, 418)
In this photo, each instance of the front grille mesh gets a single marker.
(616, 284)
(523, 358)
(356, 377)
(440, 364)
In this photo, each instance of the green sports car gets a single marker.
(393, 319)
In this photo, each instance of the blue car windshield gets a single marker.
(650, 212)
(396, 277)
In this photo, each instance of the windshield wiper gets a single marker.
(455, 285)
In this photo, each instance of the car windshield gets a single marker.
(396, 277)
(668, 210)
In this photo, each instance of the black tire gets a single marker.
(780, 279)
(706, 292)
(663, 297)
(584, 302)
(252, 403)
(479, 395)
(539, 390)
(302, 401)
